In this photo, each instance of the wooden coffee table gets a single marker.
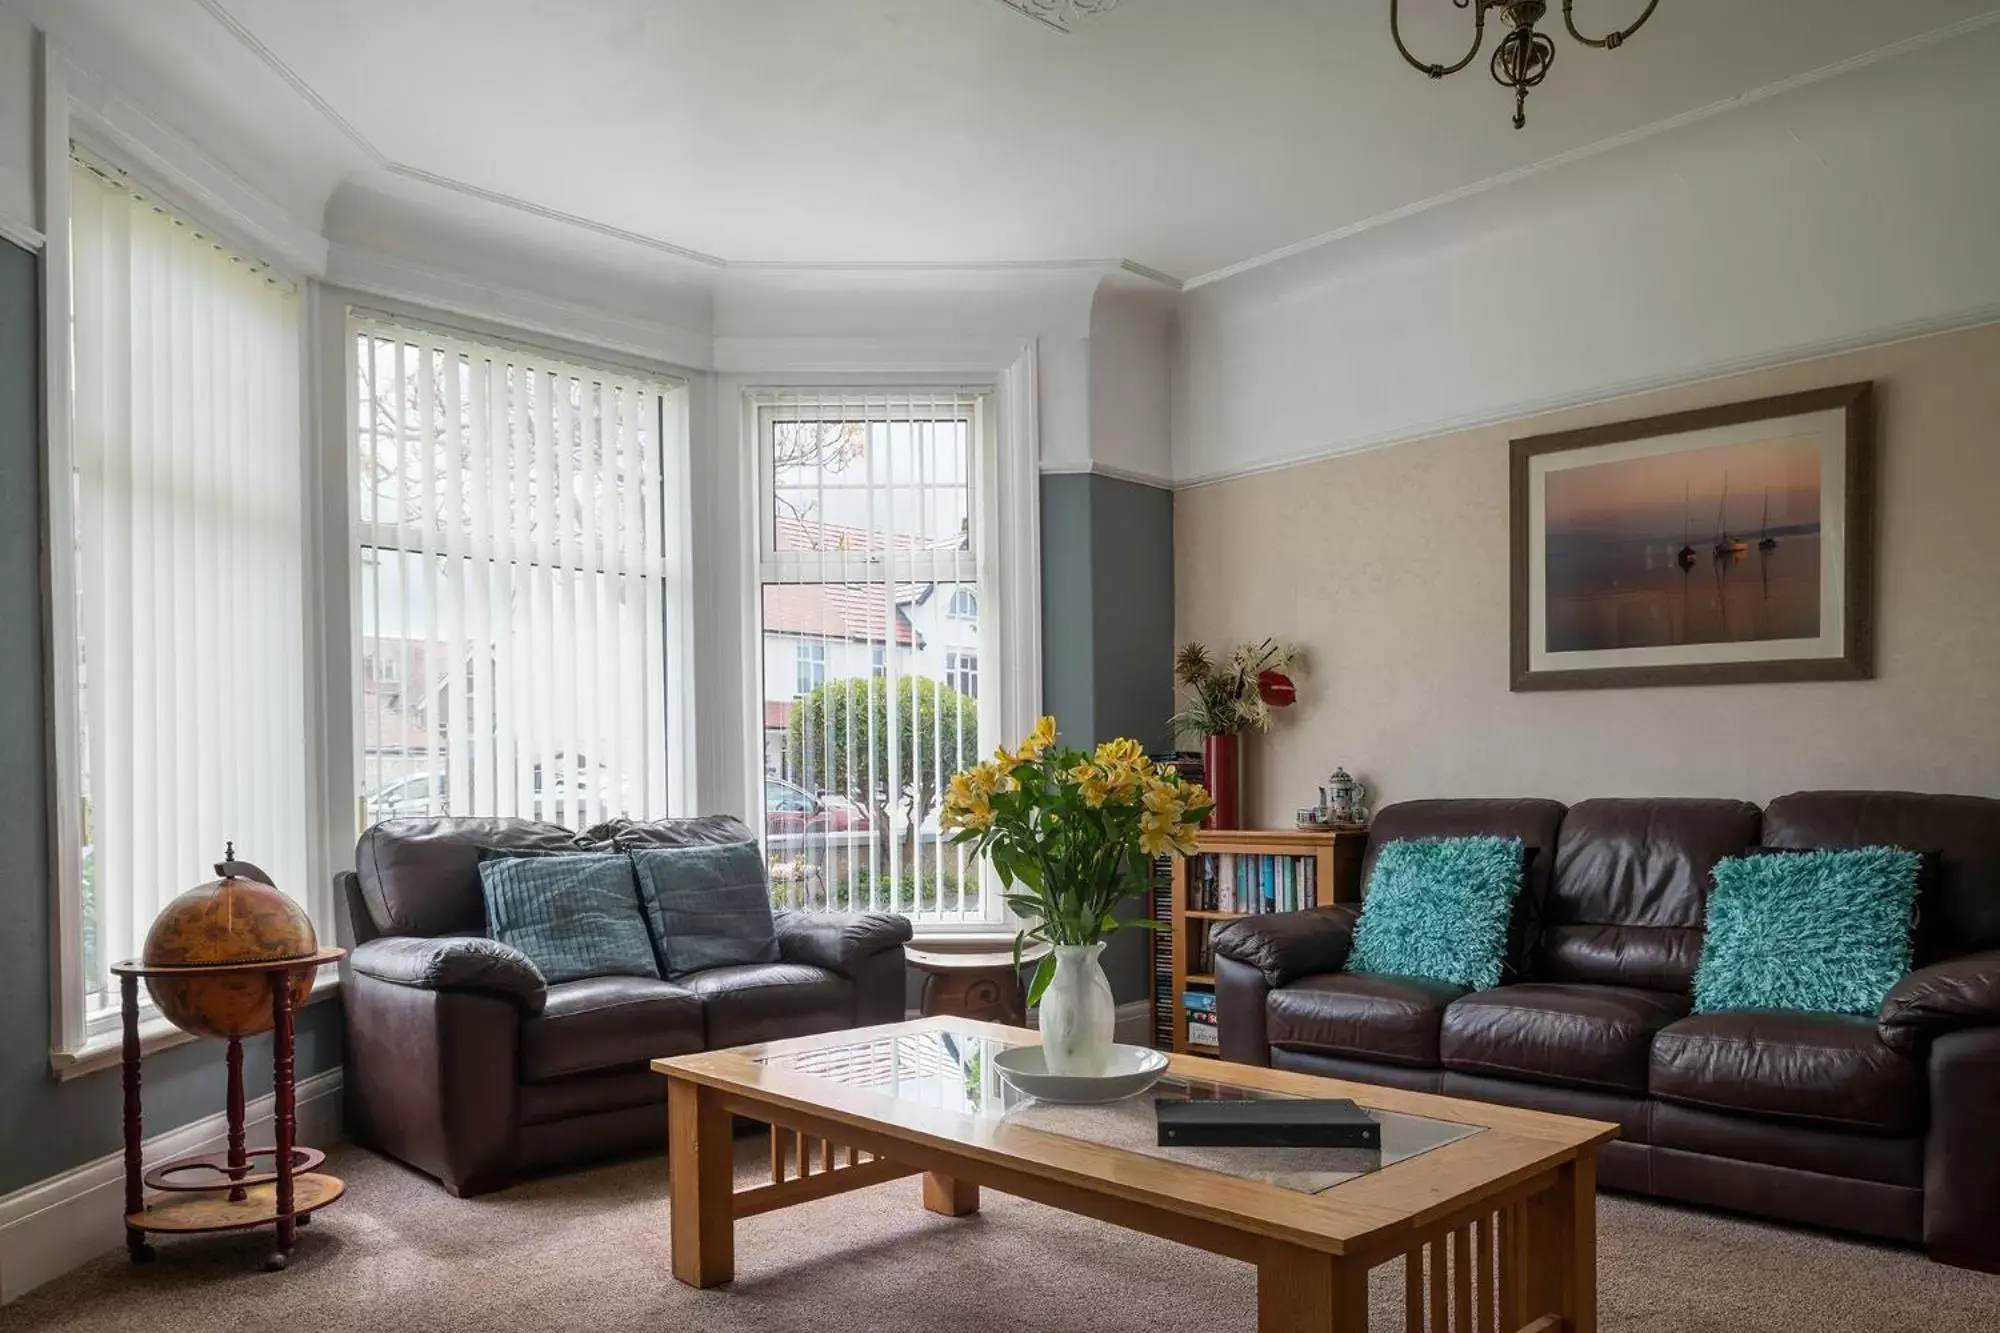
(1490, 1210)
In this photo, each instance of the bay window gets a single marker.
(517, 584)
(875, 522)
(180, 676)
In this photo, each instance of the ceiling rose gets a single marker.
(1059, 14)
(1523, 57)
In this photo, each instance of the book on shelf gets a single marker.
(1251, 883)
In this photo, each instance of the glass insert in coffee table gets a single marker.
(954, 1071)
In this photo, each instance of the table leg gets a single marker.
(135, 1166)
(282, 1110)
(238, 1159)
(1304, 1291)
(949, 1195)
(1561, 1224)
(700, 1175)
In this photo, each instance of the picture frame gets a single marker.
(1723, 545)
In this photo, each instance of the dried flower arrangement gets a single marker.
(1238, 694)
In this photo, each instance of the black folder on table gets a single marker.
(1266, 1123)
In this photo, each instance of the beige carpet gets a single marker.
(588, 1251)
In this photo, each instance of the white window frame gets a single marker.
(810, 664)
(960, 666)
(81, 113)
(951, 609)
(1008, 505)
(679, 712)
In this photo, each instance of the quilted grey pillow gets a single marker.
(573, 916)
(707, 905)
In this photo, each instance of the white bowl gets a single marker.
(1128, 1071)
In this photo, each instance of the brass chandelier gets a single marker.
(1523, 58)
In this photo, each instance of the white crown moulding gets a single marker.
(1059, 14)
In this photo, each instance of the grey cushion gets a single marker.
(708, 904)
(573, 916)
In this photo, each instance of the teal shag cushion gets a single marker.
(708, 905)
(574, 916)
(1439, 908)
(1823, 932)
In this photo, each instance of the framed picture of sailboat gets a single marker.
(1725, 545)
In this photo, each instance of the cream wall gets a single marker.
(1840, 213)
(1390, 567)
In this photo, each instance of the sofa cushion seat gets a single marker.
(1369, 1016)
(1830, 1070)
(768, 1001)
(607, 1022)
(1581, 1036)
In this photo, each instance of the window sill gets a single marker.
(106, 1049)
(968, 938)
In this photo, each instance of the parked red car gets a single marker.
(791, 809)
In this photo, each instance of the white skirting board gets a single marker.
(58, 1224)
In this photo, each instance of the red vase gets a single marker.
(1223, 772)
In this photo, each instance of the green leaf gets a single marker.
(1026, 904)
(1045, 972)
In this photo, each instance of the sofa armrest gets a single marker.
(454, 963)
(432, 1078)
(1944, 997)
(1285, 946)
(839, 941)
(1961, 1152)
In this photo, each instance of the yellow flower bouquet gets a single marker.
(1071, 833)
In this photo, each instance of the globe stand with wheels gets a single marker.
(231, 959)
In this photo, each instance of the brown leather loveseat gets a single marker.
(1887, 1125)
(464, 1064)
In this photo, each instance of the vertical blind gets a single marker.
(513, 577)
(189, 551)
(870, 579)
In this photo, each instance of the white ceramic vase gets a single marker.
(1077, 1016)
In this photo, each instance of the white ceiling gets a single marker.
(1187, 136)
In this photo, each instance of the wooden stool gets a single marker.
(975, 985)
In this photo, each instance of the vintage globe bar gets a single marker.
(229, 959)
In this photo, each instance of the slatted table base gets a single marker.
(804, 1168)
(1478, 1277)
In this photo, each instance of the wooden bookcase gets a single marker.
(1336, 854)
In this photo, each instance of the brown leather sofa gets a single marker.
(1887, 1126)
(464, 1064)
